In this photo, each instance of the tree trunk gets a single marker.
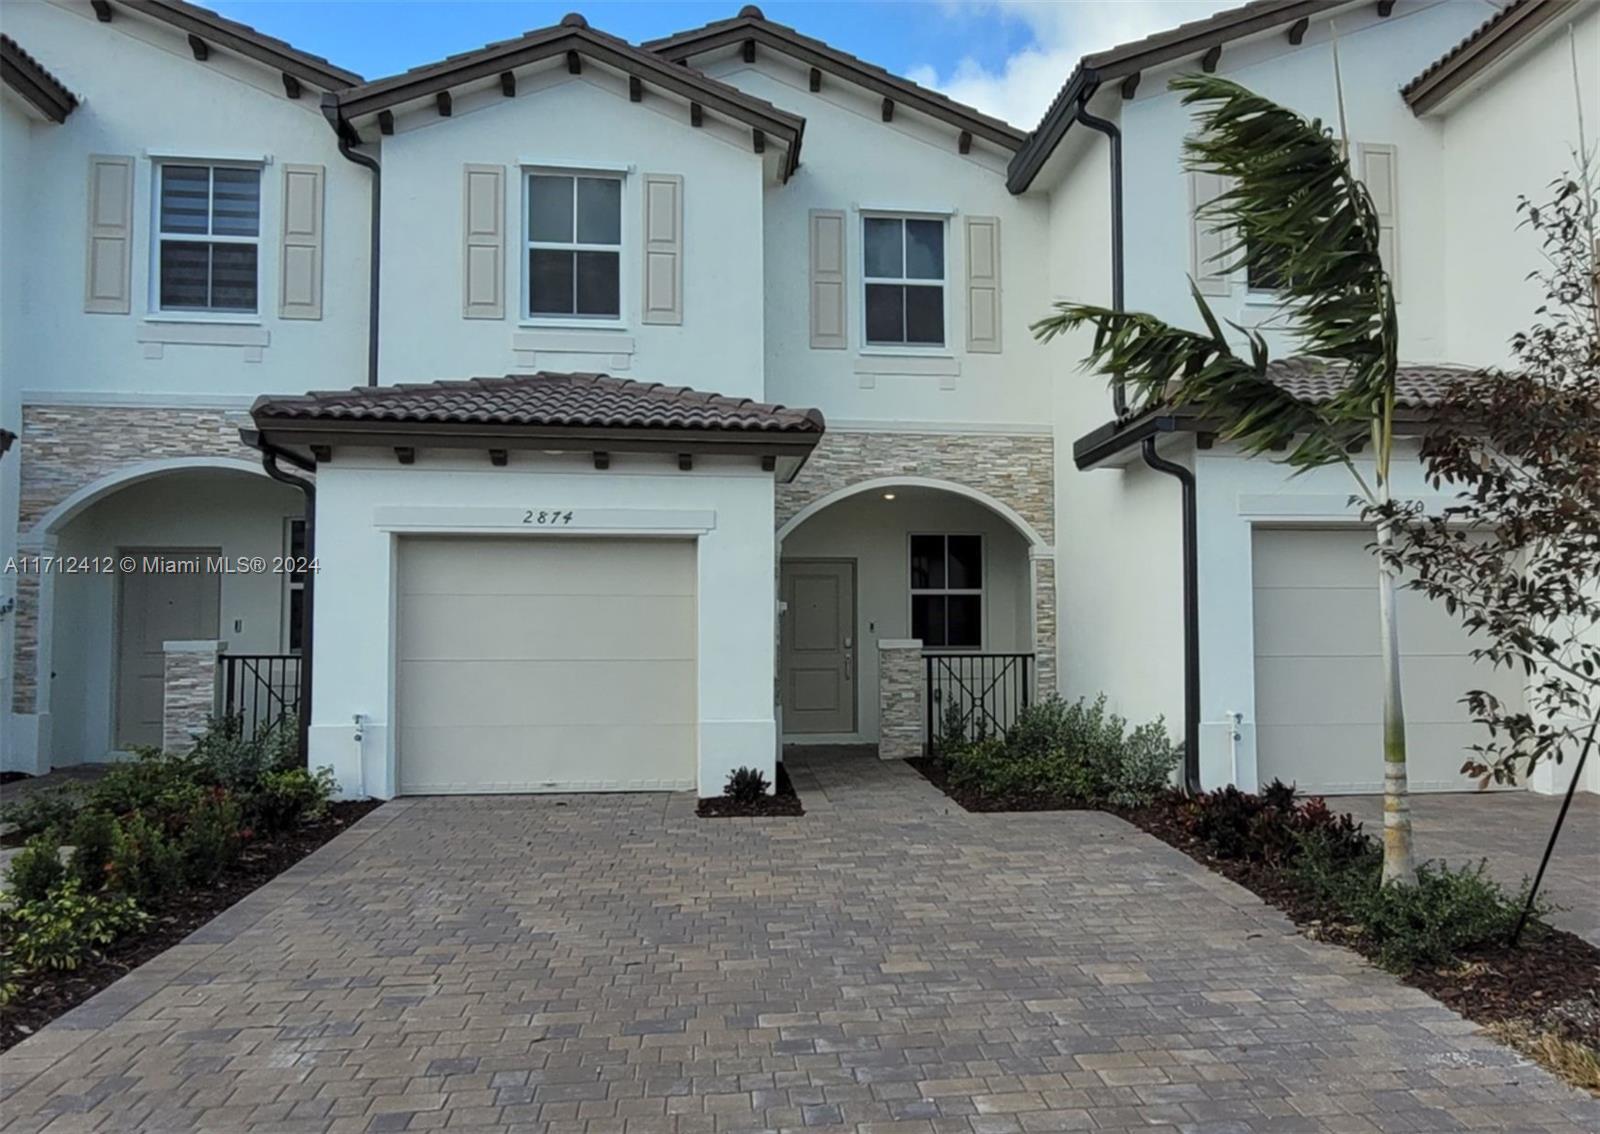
(1398, 861)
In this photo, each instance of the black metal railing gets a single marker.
(975, 695)
(260, 689)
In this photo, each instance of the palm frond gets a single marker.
(1295, 209)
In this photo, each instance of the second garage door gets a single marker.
(546, 664)
(1319, 674)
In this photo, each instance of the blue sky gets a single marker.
(1005, 56)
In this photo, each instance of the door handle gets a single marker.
(847, 657)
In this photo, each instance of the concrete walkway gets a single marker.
(1509, 831)
(887, 963)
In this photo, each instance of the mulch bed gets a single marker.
(43, 997)
(13, 777)
(1551, 981)
(783, 802)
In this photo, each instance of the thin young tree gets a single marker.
(1294, 211)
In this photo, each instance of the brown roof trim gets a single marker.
(33, 83)
(219, 31)
(1508, 29)
(750, 24)
(1193, 38)
(574, 34)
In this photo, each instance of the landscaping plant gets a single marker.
(36, 869)
(746, 785)
(66, 926)
(1295, 211)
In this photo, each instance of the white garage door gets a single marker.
(546, 664)
(1319, 674)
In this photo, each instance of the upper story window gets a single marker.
(208, 230)
(904, 270)
(574, 248)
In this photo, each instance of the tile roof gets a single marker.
(1418, 386)
(31, 80)
(246, 40)
(750, 19)
(1489, 41)
(576, 401)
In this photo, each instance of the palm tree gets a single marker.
(1293, 210)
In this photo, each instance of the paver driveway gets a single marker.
(886, 963)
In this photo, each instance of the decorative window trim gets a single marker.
(868, 347)
(980, 591)
(627, 238)
(155, 312)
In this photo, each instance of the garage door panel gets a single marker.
(1319, 676)
(536, 692)
(572, 627)
(563, 566)
(500, 758)
(546, 664)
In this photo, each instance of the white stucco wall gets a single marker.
(1376, 57)
(853, 160)
(355, 600)
(239, 514)
(568, 122)
(1525, 114)
(144, 94)
(15, 139)
(875, 533)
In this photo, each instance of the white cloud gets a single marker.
(1060, 33)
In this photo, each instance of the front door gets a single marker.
(819, 645)
(169, 596)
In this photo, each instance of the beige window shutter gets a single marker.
(983, 285)
(828, 331)
(1206, 240)
(663, 248)
(300, 262)
(108, 286)
(1379, 171)
(483, 258)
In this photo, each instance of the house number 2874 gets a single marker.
(547, 517)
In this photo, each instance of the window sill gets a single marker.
(203, 332)
(606, 325)
(196, 318)
(1263, 299)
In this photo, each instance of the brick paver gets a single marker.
(886, 964)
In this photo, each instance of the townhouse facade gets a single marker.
(679, 400)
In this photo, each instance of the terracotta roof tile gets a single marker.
(33, 81)
(1418, 386)
(593, 401)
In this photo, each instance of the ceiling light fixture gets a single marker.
(888, 496)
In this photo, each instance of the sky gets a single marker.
(1006, 57)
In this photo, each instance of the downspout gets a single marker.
(348, 140)
(1184, 476)
(270, 455)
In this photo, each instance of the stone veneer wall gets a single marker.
(188, 692)
(1016, 469)
(901, 713)
(64, 448)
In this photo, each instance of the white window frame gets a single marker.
(527, 317)
(291, 585)
(158, 313)
(941, 349)
(980, 591)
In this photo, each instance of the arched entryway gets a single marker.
(879, 576)
(181, 549)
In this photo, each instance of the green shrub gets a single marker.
(67, 926)
(8, 976)
(209, 839)
(35, 869)
(746, 785)
(1075, 750)
(38, 812)
(289, 798)
(224, 756)
(145, 863)
(93, 838)
(139, 784)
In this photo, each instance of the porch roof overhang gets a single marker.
(567, 412)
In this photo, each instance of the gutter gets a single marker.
(270, 456)
(348, 140)
(1147, 450)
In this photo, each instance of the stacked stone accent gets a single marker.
(188, 691)
(64, 448)
(902, 716)
(1017, 470)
